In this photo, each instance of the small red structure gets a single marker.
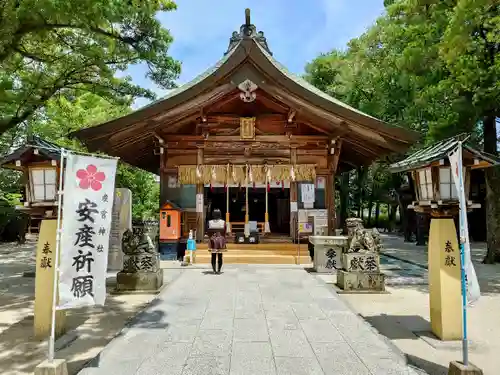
(170, 222)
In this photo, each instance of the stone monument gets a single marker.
(141, 264)
(121, 221)
(328, 251)
(361, 263)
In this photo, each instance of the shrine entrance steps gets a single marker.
(262, 253)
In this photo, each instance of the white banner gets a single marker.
(199, 203)
(89, 184)
(473, 292)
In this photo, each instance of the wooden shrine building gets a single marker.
(244, 136)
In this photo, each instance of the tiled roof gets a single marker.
(45, 148)
(437, 151)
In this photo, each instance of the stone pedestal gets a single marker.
(445, 280)
(56, 367)
(361, 272)
(141, 264)
(139, 281)
(328, 252)
(458, 368)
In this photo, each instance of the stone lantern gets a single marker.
(437, 196)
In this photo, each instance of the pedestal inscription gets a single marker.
(328, 251)
(361, 262)
(359, 281)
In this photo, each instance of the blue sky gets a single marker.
(297, 31)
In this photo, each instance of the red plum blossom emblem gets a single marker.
(90, 178)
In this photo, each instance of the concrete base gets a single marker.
(356, 281)
(139, 281)
(457, 368)
(57, 367)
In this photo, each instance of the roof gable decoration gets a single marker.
(440, 150)
(248, 31)
(247, 89)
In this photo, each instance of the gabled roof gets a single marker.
(172, 204)
(249, 53)
(46, 150)
(438, 151)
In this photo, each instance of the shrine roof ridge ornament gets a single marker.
(248, 31)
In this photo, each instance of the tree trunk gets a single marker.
(420, 229)
(370, 208)
(344, 197)
(492, 193)
(377, 213)
(492, 215)
(360, 180)
(392, 217)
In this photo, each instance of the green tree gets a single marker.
(471, 51)
(52, 47)
(432, 65)
(63, 115)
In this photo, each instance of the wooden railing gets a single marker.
(239, 226)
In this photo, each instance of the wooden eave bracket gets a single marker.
(334, 151)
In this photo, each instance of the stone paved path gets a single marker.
(249, 320)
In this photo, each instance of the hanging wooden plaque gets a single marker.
(247, 127)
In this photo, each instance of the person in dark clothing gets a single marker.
(217, 232)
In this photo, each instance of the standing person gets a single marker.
(217, 232)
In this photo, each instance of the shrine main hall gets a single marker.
(251, 139)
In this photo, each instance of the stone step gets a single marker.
(256, 252)
(259, 246)
(241, 258)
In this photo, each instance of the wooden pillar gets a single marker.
(163, 175)
(200, 202)
(333, 162)
(267, 229)
(294, 215)
(228, 217)
(247, 214)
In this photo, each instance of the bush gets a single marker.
(13, 224)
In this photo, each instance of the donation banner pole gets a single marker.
(60, 193)
(462, 212)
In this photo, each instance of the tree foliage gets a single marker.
(63, 115)
(433, 66)
(52, 47)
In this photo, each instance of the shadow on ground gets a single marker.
(89, 329)
(429, 367)
(397, 327)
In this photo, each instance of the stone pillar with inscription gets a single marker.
(445, 279)
(121, 221)
(361, 262)
(141, 264)
(44, 282)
